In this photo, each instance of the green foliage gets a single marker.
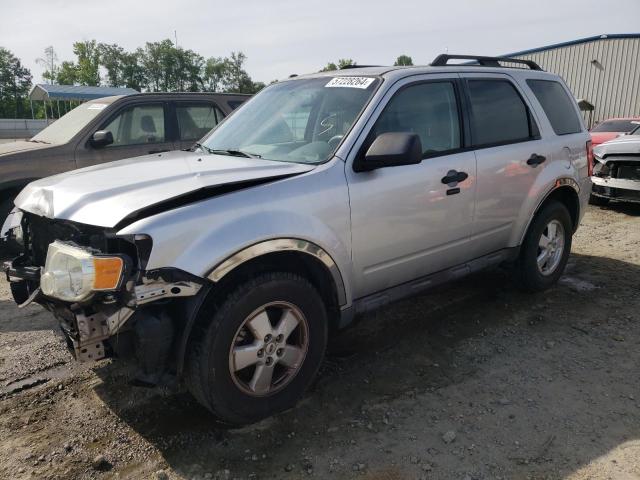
(403, 60)
(15, 82)
(67, 74)
(343, 62)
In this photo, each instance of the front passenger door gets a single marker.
(407, 222)
(137, 130)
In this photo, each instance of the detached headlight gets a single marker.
(73, 274)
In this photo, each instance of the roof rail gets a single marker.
(347, 67)
(443, 59)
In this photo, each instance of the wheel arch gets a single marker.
(284, 254)
(566, 191)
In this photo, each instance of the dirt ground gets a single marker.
(472, 381)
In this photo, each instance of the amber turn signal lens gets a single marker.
(108, 271)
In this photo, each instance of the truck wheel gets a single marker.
(545, 250)
(598, 201)
(259, 349)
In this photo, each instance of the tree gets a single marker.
(213, 76)
(67, 74)
(111, 57)
(342, 63)
(50, 64)
(404, 61)
(15, 83)
(88, 66)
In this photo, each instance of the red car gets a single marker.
(612, 128)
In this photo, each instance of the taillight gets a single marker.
(589, 158)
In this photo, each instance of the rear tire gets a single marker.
(598, 201)
(274, 326)
(544, 254)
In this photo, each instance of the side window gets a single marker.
(141, 124)
(427, 109)
(498, 114)
(557, 105)
(195, 121)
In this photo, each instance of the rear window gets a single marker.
(618, 126)
(557, 105)
(499, 115)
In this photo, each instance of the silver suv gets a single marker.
(323, 197)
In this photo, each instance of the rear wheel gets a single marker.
(546, 247)
(259, 349)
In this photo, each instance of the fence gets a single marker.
(21, 128)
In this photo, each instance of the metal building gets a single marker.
(603, 71)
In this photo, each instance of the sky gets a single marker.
(282, 37)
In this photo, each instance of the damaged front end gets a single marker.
(96, 285)
(616, 172)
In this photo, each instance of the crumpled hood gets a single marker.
(625, 145)
(20, 146)
(104, 195)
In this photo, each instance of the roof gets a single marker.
(71, 92)
(396, 72)
(605, 36)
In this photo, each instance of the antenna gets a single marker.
(175, 34)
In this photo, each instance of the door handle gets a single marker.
(159, 151)
(535, 159)
(453, 176)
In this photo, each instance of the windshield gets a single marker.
(300, 121)
(620, 126)
(64, 129)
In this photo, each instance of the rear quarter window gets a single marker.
(557, 105)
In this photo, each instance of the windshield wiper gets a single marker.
(232, 152)
(38, 141)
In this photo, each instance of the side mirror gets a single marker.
(102, 138)
(391, 149)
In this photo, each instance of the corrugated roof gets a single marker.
(574, 42)
(44, 91)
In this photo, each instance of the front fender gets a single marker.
(312, 208)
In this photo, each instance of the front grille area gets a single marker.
(43, 231)
(40, 232)
(628, 171)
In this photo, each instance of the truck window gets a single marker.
(557, 105)
(140, 124)
(498, 114)
(195, 121)
(428, 109)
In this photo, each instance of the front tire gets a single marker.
(258, 350)
(546, 247)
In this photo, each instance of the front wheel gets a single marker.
(546, 247)
(259, 349)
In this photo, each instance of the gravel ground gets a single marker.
(471, 381)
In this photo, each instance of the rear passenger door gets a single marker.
(194, 120)
(137, 129)
(510, 154)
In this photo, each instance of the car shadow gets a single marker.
(630, 209)
(399, 376)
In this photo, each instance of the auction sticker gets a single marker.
(97, 106)
(350, 82)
